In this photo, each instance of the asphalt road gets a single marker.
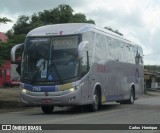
(146, 110)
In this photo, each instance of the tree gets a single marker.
(4, 49)
(4, 20)
(22, 25)
(61, 14)
(81, 18)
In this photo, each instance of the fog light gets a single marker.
(72, 99)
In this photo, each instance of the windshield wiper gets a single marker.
(56, 70)
(34, 77)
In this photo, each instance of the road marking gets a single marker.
(77, 117)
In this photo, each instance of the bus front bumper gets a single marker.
(62, 98)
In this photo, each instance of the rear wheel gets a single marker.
(47, 109)
(130, 100)
(132, 97)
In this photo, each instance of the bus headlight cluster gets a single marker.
(75, 88)
(72, 89)
(79, 86)
(25, 91)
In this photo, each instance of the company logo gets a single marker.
(6, 127)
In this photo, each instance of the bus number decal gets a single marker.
(35, 88)
(101, 68)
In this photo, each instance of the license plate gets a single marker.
(47, 101)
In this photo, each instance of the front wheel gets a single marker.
(47, 109)
(95, 105)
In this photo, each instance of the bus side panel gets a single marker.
(119, 79)
(115, 88)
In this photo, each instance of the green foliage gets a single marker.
(5, 47)
(4, 20)
(152, 68)
(60, 14)
(22, 25)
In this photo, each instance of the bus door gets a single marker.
(84, 59)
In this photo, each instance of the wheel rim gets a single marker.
(132, 97)
(96, 102)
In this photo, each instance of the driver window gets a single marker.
(85, 63)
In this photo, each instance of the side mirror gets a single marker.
(17, 64)
(13, 51)
(83, 46)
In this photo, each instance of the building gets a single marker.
(8, 76)
(3, 37)
(5, 70)
(152, 79)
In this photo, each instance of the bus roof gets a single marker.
(70, 29)
(60, 29)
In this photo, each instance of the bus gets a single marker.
(79, 64)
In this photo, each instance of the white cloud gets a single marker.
(6, 27)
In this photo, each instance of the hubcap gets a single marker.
(96, 101)
(132, 98)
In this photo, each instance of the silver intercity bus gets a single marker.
(79, 64)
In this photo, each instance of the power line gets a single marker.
(152, 54)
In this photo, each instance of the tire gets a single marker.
(130, 100)
(132, 97)
(47, 109)
(95, 106)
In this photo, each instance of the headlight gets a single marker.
(72, 89)
(25, 91)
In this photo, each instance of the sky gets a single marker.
(137, 20)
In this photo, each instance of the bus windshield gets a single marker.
(50, 59)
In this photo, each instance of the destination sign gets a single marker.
(35, 40)
(65, 42)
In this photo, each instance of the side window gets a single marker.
(85, 63)
(126, 53)
(122, 51)
(118, 53)
(89, 36)
(100, 48)
(110, 50)
(133, 54)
